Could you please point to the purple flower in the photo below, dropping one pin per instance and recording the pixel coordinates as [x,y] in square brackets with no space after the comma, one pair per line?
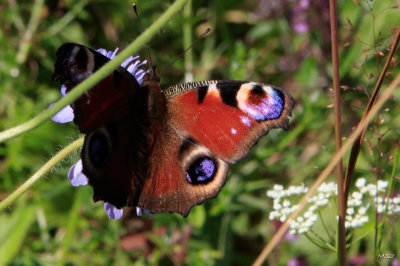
[66,114]
[299,21]
[358,259]
[75,174]
[298,261]
[288,236]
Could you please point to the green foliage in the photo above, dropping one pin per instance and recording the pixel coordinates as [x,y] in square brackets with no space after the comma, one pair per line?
[55,223]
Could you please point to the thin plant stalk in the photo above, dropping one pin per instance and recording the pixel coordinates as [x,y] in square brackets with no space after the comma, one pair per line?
[338,136]
[96,77]
[355,150]
[27,39]
[327,170]
[41,173]
[187,41]
[67,18]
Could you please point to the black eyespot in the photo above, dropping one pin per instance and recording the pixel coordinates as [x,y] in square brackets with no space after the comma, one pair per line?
[99,149]
[201,171]
[257,90]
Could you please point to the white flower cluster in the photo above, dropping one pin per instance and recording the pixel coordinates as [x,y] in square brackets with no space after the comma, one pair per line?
[357,204]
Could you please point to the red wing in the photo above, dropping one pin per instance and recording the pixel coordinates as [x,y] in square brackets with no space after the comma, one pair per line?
[228,117]
[206,127]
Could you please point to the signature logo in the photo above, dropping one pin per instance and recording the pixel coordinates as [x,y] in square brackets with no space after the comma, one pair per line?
[386,256]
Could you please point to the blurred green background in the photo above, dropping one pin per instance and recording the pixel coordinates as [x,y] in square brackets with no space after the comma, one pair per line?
[286,43]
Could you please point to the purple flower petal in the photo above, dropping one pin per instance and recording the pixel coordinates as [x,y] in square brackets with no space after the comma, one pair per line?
[129,60]
[139,76]
[133,68]
[109,54]
[300,27]
[102,51]
[291,238]
[63,90]
[139,211]
[304,4]
[65,115]
[112,211]
[75,175]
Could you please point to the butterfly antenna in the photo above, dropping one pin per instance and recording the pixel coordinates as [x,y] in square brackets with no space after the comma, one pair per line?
[190,47]
[134,6]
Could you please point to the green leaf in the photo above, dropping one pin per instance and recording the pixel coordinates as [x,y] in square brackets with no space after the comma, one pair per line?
[14,230]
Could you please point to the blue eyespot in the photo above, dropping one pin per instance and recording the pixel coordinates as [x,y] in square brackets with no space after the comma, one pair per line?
[275,107]
[201,171]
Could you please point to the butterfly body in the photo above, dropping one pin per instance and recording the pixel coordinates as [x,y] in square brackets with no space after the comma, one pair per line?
[165,151]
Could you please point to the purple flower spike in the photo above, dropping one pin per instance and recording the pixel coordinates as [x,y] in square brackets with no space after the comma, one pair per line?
[75,175]
[112,211]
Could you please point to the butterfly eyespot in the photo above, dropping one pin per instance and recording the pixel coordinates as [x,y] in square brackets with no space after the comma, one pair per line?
[257,90]
[201,171]
[99,148]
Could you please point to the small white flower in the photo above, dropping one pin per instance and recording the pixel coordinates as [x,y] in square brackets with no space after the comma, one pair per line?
[308,214]
[322,202]
[358,204]
[396,200]
[361,182]
[362,210]
[357,195]
[350,211]
[286,203]
[382,184]
[278,187]
[379,200]
[277,206]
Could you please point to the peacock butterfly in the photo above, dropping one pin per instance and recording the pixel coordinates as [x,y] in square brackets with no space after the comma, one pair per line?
[164,150]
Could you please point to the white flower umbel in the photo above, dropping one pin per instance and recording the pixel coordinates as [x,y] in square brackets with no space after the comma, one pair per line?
[358,203]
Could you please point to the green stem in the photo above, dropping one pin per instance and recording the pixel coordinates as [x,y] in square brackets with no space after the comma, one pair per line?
[41,172]
[331,238]
[26,41]
[16,16]
[67,18]
[322,244]
[342,256]
[96,77]
[72,226]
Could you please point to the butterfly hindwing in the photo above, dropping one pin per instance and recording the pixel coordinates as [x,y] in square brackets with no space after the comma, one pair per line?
[183,174]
